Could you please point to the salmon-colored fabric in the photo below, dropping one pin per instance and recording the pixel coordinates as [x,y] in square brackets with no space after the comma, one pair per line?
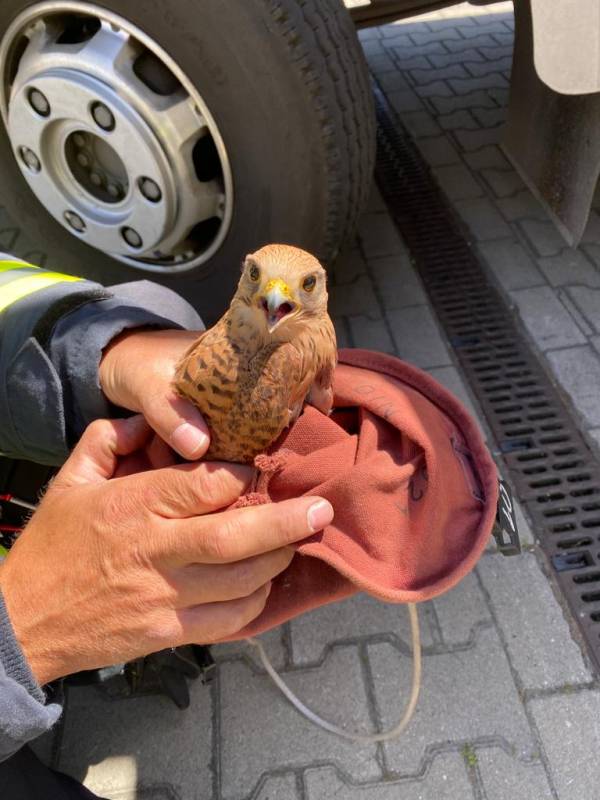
[412,484]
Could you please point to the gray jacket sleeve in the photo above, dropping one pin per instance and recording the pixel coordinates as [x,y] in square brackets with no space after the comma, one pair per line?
[51,343]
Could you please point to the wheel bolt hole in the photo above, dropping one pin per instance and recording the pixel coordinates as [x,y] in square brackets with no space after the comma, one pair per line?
[150,189]
[29,158]
[132,238]
[102,116]
[38,102]
[74,221]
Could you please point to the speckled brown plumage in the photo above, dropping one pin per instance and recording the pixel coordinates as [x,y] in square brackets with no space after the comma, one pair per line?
[251,373]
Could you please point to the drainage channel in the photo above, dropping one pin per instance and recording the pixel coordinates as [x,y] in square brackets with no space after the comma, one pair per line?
[552,469]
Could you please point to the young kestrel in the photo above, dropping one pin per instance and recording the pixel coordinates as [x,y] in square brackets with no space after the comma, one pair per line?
[272,350]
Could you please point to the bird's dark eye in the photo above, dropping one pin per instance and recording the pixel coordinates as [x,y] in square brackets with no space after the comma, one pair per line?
[254,273]
[308,284]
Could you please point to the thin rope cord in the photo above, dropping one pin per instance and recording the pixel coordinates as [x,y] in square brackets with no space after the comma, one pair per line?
[366,738]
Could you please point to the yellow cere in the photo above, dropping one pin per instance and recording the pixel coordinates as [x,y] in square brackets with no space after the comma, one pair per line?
[278,283]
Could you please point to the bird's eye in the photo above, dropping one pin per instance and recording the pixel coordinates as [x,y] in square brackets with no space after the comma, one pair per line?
[308,284]
[254,273]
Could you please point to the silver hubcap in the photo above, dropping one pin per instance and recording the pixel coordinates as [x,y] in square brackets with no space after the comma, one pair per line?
[112,137]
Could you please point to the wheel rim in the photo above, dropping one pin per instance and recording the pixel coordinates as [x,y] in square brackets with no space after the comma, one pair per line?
[113,138]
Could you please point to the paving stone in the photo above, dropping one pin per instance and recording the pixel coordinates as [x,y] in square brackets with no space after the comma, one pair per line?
[496,51]
[372,47]
[474,140]
[578,371]
[457,119]
[568,268]
[588,302]
[271,640]
[511,265]
[399,40]
[413,62]
[444,104]
[354,299]
[536,633]
[591,234]
[278,787]
[438,151]
[420,124]
[392,81]
[506,778]
[463,57]
[575,313]
[459,45]
[413,50]
[483,219]
[479,68]
[460,610]
[397,281]
[381,63]
[490,27]
[341,332]
[435,89]
[544,237]
[457,182]
[570,734]
[445,779]
[417,337]
[404,100]
[595,435]
[472,84]
[372,334]
[120,745]
[424,76]
[547,320]
[356,617]
[487,158]
[351,264]
[503,182]
[369,33]
[436,36]
[506,38]
[522,204]
[452,380]
[379,236]
[490,117]
[259,728]
[402,26]
[595,342]
[466,695]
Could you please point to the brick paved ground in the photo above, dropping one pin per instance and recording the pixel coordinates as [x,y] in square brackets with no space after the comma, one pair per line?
[509,709]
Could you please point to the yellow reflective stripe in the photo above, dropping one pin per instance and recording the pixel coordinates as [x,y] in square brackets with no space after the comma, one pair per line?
[22,287]
[5,266]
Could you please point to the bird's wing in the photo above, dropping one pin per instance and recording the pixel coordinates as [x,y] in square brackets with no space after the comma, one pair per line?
[325,357]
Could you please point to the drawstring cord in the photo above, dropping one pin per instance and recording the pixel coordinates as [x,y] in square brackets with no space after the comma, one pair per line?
[366,738]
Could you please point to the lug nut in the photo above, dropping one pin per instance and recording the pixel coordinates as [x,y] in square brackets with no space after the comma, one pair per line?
[83,159]
[79,139]
[103,116]
[29,158]
[114,190]
[75,221]
[132,237]
[96,179]
[150,189]
[38,102]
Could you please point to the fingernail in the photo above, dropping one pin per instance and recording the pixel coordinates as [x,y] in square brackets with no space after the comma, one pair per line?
[269,587]
[188,440]
[320,514]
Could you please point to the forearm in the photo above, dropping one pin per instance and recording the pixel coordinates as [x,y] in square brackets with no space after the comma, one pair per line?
[24,714]
[51,342]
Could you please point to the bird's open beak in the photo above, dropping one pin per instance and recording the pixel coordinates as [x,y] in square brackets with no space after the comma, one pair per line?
[276,302]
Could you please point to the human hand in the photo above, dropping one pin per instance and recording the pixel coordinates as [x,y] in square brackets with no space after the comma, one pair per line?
[136,371]
[110,570]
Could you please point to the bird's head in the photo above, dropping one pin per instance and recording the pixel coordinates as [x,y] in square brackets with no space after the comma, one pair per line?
[282,285]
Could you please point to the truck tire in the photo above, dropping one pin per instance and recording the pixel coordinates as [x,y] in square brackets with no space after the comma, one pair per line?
[288,90]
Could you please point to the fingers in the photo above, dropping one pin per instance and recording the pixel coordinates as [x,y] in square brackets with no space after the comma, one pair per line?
[95,458]
[213,621]
[203,583]
[188,490]
[242,533]
[178,423]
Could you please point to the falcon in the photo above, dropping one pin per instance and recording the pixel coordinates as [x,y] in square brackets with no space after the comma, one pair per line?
[273,350]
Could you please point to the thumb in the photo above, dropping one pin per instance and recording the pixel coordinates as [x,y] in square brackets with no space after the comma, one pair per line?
[178,423]
[96,456]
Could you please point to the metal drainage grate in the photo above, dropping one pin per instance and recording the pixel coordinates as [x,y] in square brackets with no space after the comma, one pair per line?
[552,469]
